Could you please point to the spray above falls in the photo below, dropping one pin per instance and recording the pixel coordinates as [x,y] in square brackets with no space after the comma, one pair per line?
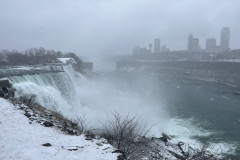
[73,95]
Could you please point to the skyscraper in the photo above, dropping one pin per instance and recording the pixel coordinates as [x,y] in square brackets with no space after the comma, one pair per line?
[211,44]
[157,46]
[190,39]
[225,37]
[193,44]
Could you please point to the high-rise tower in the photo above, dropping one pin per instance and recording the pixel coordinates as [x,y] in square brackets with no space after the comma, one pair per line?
[190,39]
[193,44]
[157,46]
[225,37]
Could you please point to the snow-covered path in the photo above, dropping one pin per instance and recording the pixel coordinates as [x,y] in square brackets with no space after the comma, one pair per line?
[23,141]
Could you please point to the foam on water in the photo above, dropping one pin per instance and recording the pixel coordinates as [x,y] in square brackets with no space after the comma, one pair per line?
[74,95]
[185,129]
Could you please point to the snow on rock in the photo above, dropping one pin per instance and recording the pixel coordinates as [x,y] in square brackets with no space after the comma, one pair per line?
[21,140]
[66,60]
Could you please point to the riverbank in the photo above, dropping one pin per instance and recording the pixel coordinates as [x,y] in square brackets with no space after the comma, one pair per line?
[22,138]
[219,71]
[146,147]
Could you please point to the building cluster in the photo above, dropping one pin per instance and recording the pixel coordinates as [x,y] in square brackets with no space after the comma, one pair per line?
[193,45]
[157,49]
[211,45]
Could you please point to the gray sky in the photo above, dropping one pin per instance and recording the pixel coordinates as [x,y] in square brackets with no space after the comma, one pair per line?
[114,26]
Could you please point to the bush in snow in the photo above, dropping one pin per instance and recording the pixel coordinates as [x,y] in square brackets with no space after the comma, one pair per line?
[127,134]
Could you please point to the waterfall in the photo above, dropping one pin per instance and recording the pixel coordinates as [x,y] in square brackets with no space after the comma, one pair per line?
[54,91]
[73,95]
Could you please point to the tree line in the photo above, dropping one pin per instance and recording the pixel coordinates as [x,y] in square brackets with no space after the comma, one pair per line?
[34,56]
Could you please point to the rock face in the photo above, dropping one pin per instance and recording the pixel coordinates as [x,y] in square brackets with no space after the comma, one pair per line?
[48,124]
[47,145]
[5,83]
[36,113]
[6,89]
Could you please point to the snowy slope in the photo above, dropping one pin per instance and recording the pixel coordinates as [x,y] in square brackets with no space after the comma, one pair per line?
[21,140]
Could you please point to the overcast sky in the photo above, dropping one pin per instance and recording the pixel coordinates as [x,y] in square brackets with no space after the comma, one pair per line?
[114,26]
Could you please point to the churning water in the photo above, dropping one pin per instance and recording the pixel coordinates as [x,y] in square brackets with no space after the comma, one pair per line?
[193,111]
[73,95]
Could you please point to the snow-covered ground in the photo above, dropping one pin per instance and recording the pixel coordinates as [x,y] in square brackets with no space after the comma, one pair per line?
[23,141]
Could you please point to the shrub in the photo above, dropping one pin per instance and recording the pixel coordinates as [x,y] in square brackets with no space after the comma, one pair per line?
[127,134]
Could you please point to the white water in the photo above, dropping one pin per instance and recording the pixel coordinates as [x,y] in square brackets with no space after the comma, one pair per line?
[73,95]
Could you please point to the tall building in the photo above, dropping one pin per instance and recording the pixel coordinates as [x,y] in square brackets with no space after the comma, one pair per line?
[190,39]
[225,37]
[211,44]
[150,47]
[193,44]
[157,46]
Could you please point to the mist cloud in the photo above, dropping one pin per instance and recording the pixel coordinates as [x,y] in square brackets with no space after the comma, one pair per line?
[92,27]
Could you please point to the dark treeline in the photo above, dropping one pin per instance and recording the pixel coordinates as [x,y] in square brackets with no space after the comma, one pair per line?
[34,56]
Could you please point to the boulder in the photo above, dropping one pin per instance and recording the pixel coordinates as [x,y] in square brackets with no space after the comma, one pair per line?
[90,135]
[11,92]
[121,156]
[2,94]
[5,83]
[27,114]
[70,132]
[6,90]
[99,144]
[47,145]
[48,124]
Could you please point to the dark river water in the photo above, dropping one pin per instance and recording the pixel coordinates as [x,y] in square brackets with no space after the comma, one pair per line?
[211,106]
[203,111]
[214,107]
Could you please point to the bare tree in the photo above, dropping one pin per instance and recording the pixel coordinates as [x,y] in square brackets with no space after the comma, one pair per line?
[81,123]
[127,134]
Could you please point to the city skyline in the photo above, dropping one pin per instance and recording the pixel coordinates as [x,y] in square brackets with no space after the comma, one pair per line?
[193,45]
[114,27]
[211,43]
[222,43]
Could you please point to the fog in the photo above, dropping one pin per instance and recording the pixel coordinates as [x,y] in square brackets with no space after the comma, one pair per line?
[77,96]
[144,58]
[114,27]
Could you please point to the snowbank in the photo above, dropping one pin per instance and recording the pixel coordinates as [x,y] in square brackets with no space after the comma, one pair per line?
[21,140]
